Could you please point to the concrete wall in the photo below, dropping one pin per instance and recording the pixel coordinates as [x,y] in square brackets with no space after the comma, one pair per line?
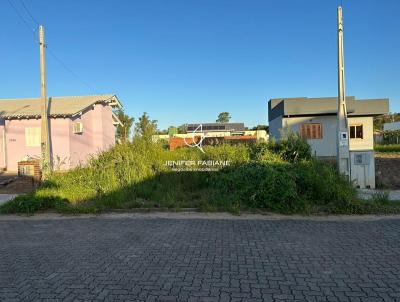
[274,127]
[326,147]
[363,175]
[320,147]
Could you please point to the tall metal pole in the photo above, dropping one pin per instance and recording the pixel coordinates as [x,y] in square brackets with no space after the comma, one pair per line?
[343,155]
[45,144]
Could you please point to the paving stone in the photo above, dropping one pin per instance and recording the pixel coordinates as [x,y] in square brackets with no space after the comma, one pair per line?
[155,259]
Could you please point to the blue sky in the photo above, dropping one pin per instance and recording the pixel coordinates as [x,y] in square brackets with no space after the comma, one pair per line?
[186,61]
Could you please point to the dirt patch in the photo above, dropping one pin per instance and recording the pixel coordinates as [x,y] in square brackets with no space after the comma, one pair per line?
[387,154]
[19,186]
[387,169]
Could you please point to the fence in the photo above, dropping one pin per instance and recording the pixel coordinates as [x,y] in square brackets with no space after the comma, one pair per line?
[391,137]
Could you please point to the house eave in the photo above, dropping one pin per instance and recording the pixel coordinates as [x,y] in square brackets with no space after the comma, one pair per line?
[36,116]
[116,120]
[115,103]
[350,115]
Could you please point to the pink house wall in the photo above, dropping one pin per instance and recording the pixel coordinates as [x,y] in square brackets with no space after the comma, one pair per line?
[98,134]
[17,149]
[60,143]
[68,149]
[97,116]
[2,145]
[81,145]
[108,128]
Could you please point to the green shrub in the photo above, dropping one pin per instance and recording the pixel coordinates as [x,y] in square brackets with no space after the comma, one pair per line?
[381,198]
[264,152]
[292,147]
[365,207]
[30,204]
[321,183]
[387,148]
[226,152]
[282,187]
[257,185]
[134,174]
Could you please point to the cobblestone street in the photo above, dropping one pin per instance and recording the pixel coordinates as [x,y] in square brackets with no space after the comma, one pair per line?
[157,259]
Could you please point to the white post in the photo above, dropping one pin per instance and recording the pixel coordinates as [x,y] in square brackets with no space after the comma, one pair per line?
[343,156]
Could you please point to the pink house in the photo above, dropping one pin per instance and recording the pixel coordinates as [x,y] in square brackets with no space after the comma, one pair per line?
[79,126]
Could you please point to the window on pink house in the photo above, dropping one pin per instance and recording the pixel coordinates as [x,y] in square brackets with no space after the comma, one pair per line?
[32,137]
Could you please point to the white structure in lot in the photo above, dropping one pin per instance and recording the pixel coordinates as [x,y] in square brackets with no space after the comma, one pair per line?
[260,134]
[391,126]
[315,120]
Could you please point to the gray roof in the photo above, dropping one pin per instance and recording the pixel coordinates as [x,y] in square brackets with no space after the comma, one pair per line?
[62,106]
[391,126]
[217,126]
[304,106]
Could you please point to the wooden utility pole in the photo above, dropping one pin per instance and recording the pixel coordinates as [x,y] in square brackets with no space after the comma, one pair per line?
[45,144]
[343,154]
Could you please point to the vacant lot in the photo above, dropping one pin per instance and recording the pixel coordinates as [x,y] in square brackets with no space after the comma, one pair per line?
[156,259]
[388,170]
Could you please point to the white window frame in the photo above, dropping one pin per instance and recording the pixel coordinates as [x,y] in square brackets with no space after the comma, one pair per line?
[355,131]
[77,127]
[32,136]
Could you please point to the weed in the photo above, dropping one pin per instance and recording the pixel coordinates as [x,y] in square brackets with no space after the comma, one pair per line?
[380,197]
[281,178]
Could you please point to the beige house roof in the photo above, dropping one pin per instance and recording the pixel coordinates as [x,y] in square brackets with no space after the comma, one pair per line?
[62,106]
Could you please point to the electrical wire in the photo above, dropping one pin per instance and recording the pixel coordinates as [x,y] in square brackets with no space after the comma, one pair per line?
[34,30]
[20,16]
[29,13]
[69,70]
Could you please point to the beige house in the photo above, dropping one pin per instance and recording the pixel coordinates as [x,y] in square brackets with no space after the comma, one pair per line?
[315,120]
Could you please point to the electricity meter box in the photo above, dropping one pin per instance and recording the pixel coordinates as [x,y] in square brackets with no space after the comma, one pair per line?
[363,169]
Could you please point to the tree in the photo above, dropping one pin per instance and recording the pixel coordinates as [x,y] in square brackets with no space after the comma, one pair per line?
[172,130]
[386,118]
[261,127]
[145,127]
[182,129]
[124,130]
[223,117]
[162,132]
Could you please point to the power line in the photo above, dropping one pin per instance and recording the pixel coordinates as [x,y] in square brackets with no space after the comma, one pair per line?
[34,29]
[29,13]
[20,16]
[69,69]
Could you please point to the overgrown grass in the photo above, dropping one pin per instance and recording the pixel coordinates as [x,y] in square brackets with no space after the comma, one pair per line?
[282,179]
[387,148]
